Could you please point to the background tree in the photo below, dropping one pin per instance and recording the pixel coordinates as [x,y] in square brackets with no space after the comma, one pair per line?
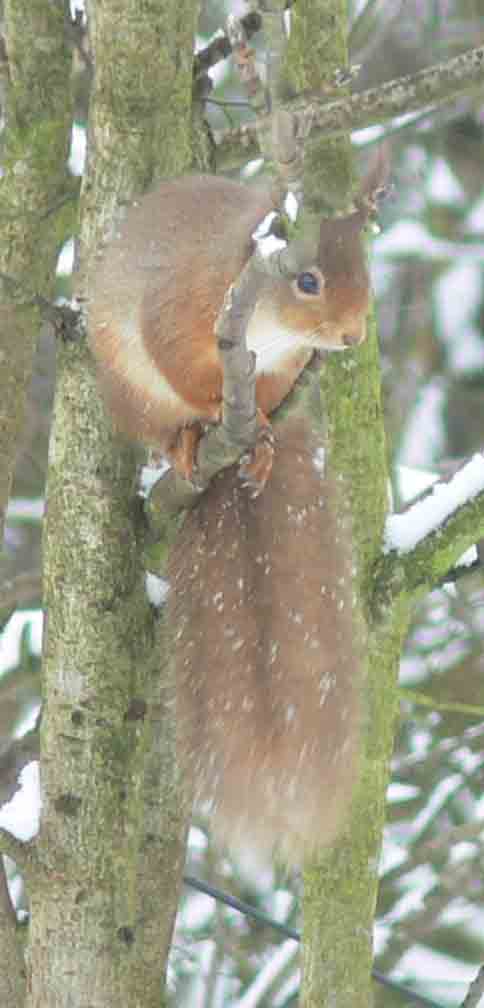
[107,847]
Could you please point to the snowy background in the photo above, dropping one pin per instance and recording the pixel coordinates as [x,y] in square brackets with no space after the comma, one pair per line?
[428,270]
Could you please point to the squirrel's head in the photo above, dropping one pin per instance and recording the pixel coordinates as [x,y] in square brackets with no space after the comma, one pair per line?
[325,297]
[329,297]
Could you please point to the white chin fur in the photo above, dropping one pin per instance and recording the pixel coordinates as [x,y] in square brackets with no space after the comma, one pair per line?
[272,343]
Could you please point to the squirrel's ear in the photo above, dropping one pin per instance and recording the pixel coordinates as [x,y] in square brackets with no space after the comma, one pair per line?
[341,257]
[374,186]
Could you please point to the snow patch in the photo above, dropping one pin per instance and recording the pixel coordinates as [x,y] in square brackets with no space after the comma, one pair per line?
[404,531]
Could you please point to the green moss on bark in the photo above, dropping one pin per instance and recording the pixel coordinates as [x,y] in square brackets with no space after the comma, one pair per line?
[340,889]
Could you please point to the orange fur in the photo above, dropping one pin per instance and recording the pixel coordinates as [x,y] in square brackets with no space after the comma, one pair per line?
[156,293]
[267,659]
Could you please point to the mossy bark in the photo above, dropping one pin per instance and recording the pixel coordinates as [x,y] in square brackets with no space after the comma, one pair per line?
[112,830]
[111,843]
[340,888]
[35,209]
[34,218]
[140,123]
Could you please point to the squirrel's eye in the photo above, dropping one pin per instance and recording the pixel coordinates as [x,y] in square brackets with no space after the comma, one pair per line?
[308,283]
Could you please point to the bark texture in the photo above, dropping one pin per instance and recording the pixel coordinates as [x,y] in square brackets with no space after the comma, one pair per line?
[111,846]
[340,885]
[34,198]
[33,215]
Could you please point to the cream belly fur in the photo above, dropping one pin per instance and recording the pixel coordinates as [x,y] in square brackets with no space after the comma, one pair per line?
[265,646]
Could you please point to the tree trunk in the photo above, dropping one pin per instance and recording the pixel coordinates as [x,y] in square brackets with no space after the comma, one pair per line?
[110,852]
[340,888]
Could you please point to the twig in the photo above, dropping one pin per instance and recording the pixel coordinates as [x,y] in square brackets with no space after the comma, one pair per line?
[432,86]
[223,444]
[21,752]
[20,589]
[244,60]
[276,40]
[280,142]
[7,911]
[24,853]
[65,318]
[475,992]
[220,47]
[424,565]
[12,979]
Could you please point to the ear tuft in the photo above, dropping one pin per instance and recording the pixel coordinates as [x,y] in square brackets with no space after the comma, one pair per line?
[374,186]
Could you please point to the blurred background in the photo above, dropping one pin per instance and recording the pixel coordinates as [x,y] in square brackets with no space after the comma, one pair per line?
[428,269]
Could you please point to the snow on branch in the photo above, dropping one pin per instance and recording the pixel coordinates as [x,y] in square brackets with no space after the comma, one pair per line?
[425,541]
[405,531]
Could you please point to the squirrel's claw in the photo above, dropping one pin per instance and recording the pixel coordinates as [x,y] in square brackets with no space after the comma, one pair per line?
[256,465]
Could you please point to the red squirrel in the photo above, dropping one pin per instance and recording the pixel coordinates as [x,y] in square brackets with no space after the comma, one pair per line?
[261,589]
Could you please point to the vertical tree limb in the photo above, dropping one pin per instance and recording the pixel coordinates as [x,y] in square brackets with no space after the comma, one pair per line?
[340,890]
[113,821]
[36,106]
[35,69]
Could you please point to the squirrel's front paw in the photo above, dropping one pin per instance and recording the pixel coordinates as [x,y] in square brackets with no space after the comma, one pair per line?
[256,465]
[182,453]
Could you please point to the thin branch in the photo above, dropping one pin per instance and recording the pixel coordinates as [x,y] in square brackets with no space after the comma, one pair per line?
[220,47]
[279,145]
[430,537]
[23,853]
[63,317]
[21,752]
[7,912]
[441,82]
[475,992]
[244,62]
[12,974]
[20,589]
[442,845]
[224,443]
[419,699]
